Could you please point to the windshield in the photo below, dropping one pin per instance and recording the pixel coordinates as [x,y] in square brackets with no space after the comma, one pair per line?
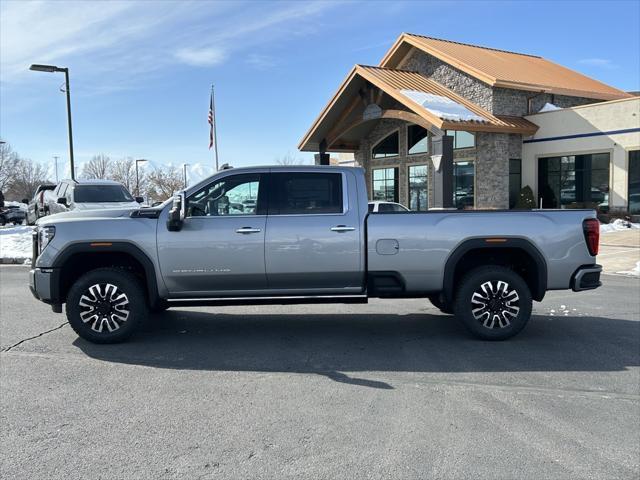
[101,193]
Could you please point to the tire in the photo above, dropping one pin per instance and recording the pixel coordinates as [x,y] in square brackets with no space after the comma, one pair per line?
[436,301]
[159,307]
[101,291]
[493,302]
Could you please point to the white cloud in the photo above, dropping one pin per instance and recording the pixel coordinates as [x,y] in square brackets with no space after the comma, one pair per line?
[110,45]
[201,57]
[598,62]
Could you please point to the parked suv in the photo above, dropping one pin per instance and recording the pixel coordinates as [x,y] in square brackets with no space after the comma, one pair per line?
[90,195]
[37,204]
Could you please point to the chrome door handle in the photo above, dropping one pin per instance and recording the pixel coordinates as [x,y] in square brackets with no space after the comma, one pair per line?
[248,230]
[342,228]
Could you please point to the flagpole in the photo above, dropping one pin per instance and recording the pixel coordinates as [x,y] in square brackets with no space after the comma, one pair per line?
[215,124]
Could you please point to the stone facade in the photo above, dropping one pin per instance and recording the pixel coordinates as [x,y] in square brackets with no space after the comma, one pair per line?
[464,85]
[492,170]
[492,151]
[507,101]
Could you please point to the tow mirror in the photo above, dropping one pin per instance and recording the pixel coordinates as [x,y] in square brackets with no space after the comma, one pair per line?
[176,213]
[62,201]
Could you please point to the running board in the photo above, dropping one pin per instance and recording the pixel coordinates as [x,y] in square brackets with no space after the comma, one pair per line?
[221,302]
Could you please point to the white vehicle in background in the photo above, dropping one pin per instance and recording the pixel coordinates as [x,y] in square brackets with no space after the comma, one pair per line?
[90,195]
[386,207]
[36,206]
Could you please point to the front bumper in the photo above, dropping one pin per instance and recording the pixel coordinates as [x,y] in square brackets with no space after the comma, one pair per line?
[586,278]
[40,282]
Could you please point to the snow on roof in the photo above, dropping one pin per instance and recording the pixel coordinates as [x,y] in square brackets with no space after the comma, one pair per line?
[549,107]
[442,107]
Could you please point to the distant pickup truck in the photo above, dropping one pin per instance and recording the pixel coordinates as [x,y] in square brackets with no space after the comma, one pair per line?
[308,239]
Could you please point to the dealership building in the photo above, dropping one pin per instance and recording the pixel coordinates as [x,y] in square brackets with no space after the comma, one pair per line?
[445,124]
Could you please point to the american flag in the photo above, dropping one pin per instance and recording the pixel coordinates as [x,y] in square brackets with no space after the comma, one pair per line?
[210,120]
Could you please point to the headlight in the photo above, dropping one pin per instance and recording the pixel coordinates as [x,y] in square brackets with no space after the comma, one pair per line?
[45,235]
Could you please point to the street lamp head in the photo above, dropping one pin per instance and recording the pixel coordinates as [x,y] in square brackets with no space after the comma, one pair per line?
[46,68]
[141,160]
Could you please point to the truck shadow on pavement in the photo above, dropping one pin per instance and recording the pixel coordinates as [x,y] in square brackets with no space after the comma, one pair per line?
[328,344]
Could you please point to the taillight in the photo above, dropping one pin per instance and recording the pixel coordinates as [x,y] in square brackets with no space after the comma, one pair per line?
[591,228]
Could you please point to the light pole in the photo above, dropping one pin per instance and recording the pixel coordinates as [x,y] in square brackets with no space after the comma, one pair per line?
[55,158]
[137,177]
[184,173]
[52,69]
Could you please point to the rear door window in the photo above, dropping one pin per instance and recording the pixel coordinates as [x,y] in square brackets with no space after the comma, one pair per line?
[306,193]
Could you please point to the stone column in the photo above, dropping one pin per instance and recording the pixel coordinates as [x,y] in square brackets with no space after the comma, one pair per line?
[492,170]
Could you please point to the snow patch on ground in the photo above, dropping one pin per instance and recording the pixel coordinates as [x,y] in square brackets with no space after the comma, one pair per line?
[617,225]
[635,272]
[15,243]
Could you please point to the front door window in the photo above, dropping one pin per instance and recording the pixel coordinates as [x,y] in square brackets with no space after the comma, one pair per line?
[233,195]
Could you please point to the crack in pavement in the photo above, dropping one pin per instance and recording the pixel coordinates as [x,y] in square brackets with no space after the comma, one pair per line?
[34,337]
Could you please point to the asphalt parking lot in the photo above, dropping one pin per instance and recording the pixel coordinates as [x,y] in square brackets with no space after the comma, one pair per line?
[392,389]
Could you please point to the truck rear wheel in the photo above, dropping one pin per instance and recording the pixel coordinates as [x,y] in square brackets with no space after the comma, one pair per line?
[493,302]
[106,305]
[438,302]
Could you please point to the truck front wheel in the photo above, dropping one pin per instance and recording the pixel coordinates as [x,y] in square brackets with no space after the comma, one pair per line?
[106,305]
[493,302]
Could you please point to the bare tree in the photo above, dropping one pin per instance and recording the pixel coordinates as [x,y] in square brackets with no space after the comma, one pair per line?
[289,159]
[164,181]
[8,165]
[28,176]
[124,171]
[97,167]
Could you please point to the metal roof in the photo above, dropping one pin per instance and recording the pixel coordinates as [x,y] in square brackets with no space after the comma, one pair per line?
[502,68]
[395,83]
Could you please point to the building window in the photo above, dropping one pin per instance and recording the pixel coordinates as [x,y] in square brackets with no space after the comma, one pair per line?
[385,184]
[463,185]
[417,140]
[634,181]
[574,181]
[418,192]
[515,180]
[387,147]
[462,139]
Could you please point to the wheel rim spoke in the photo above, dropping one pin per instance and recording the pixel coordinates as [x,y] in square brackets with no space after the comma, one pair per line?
[495,304]
[104,307]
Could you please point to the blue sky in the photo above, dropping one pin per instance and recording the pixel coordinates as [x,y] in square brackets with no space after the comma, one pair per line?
[141,71]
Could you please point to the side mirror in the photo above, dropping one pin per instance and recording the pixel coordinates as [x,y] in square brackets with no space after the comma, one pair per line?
[139,199]
[177,213]
[62,201]
[25,200]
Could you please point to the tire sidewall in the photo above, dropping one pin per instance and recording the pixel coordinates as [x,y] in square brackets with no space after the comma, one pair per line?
[472,281]
[126,282]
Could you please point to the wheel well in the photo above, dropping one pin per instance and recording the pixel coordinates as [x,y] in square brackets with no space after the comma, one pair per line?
[80,263]
[517,259]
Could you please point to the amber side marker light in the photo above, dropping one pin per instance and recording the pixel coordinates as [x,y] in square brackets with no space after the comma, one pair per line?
[101,244]
[495,240]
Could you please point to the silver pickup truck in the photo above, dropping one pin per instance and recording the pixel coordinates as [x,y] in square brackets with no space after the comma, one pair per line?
[304,235]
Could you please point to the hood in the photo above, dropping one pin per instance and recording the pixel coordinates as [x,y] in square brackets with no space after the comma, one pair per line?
[79,214]
[105,206]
